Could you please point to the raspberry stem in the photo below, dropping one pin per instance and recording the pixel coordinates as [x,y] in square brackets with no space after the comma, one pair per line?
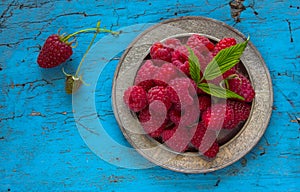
[97,30]
[66,38]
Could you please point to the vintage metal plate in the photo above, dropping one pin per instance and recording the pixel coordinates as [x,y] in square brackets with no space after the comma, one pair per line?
[190,162]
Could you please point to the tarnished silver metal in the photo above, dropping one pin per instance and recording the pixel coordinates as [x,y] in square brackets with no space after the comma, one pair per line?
[239,144]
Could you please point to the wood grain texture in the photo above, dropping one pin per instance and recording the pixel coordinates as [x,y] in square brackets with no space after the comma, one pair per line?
[41,149]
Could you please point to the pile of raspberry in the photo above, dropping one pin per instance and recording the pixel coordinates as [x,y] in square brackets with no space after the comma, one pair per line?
[170,106]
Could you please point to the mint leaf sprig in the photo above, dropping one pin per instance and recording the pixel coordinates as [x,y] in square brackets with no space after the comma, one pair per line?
[222,62]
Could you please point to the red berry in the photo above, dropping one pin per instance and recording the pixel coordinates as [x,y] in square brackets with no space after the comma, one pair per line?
[174,115]
[176,138]
[181,88]
[152,124]
[161,52]
[242,86]
[172,43]
[222,44]
[54,52]
[159,100]
[218,116]
[197,41]
[135,98]
[165,73]
[190,115]
[146,72]
[241,110]
[204,140]
[204,102]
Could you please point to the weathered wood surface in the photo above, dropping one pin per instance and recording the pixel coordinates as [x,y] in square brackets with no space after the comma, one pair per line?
[40,147]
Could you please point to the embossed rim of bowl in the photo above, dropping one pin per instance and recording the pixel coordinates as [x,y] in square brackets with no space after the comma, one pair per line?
[232,151]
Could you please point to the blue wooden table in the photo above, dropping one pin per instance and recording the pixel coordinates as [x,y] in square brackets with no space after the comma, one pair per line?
[41,148]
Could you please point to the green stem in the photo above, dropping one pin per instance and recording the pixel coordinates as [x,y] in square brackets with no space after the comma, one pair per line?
[97,29]
[89,30]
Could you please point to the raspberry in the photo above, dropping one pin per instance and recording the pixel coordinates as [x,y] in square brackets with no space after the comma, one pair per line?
[135,98]
[165,73]
[204,102]
[218,116]
[241,110]
[222,44]
[181,54]
[176,138]
[174,115]
[152,124]
[197,41]
[190,116]
[172,43]
[146,72]
[54,52]
[205,141]
[161,52]
[181,88]
[159,100]
[242,86]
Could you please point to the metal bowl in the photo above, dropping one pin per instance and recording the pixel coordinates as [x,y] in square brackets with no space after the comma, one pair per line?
[234,144]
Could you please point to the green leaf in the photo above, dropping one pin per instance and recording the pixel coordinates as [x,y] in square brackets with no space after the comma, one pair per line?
[194,66]
[224,60]
[217,91]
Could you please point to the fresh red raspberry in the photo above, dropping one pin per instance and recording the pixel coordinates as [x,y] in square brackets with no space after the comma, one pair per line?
[165,73]
[135,97]
[197,41]
[222,44]
[54,52]
[176,138]
[218,116]
[172,43]
[146,72]
[204,140]
[241,110]
[190,116]
[159,100]
[174,115]
[242,86]
[204,102]
[181,88]
[161,52]
[153,124]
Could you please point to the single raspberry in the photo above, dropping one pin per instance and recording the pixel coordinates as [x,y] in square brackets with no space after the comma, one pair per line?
[181,88]
[241,110]
[242,86]
[135,97]
[222,44]
[180,54]
[146,72]
[54,52]
[151,123]
[172,43]
[197,41]
[165,73]
[204,102]
[212,151]
[161,52]
[176,138]
[218,116]
[204,140]
[190,115]
[174,115]
[159,99]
